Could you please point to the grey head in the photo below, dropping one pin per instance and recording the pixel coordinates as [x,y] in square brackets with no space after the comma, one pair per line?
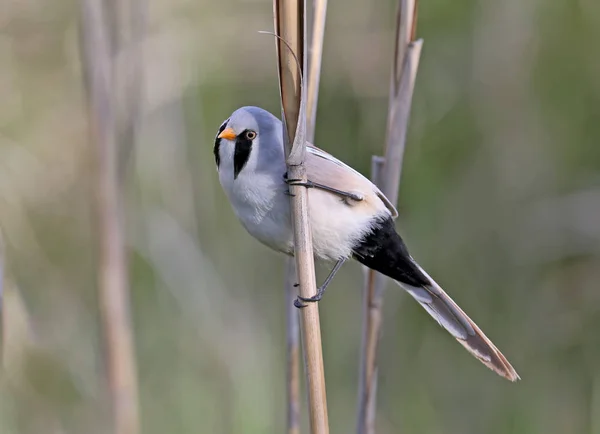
[249,139]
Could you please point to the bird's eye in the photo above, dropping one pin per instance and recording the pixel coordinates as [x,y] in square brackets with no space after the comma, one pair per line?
[250,135]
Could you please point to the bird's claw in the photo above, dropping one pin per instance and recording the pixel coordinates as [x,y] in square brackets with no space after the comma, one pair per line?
[292,181]
[312,299]
[310,184]
[317,297]
[299,305]
[299,182]
[289,182]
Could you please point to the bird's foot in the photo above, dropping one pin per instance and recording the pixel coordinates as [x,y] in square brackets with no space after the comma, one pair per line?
[310,184]
[317,297]
[292,181]
[321,289]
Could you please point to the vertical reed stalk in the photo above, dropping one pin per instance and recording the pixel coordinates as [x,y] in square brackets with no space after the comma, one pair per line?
[315,54]
[293,343]
[293,350]
[290,25]
[386,174]
[2,304]
[102,78]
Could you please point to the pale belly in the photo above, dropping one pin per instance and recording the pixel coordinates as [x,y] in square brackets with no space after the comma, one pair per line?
[264,211]
[335,227]
[273,228]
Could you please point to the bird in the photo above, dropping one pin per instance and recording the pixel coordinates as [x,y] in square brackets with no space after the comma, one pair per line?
[350,218]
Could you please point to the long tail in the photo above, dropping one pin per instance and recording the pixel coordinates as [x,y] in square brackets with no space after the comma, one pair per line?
[450,316]
[384,250]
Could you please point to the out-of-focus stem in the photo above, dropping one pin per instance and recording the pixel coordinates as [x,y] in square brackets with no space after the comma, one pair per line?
[386,174]
[100,71]
[2,304]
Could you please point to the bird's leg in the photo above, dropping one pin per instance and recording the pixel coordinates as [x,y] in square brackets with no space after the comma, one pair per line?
[310,184]
[320,289]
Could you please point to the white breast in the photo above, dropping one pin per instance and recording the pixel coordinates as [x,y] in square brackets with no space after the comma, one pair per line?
[260,204]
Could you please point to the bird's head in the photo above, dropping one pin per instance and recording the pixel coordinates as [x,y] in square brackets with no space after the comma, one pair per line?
[248,131]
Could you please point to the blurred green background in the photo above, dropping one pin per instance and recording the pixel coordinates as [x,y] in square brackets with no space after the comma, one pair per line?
[499,201]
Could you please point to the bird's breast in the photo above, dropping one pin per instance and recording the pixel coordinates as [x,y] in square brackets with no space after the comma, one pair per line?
[262,207]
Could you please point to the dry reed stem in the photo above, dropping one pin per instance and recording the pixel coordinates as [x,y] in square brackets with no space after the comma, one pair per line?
[290,25]
[113,276]
[386,174]
[315,54]
[293,350]
[2,304]
[293,343]
[128,23]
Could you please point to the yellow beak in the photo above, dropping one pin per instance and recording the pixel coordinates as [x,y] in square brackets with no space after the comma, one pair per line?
[227,133]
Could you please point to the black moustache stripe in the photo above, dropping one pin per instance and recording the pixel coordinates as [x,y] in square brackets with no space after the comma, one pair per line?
[241,154]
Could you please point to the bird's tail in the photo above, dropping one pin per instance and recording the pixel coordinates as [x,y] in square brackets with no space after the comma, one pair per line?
[450,316]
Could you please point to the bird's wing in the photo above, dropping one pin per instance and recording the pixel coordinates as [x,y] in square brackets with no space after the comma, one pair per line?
[325,169]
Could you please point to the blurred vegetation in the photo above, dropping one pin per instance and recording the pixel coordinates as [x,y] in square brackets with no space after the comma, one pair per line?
[500,202]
